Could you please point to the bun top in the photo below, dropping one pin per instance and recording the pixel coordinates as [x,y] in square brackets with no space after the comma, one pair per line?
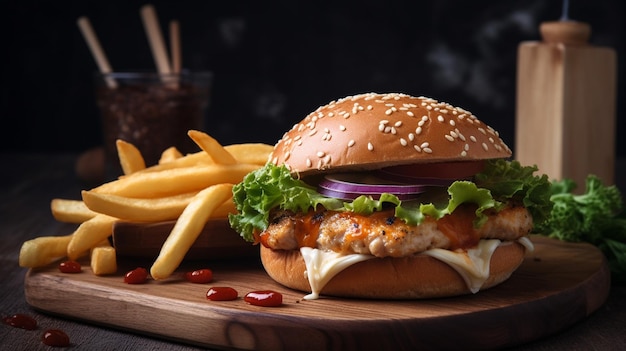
[371,131]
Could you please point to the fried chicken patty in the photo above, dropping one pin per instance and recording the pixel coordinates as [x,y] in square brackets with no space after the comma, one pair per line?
[382,234]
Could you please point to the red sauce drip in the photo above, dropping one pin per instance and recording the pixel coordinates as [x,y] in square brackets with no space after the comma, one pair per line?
[55,337]
[459,227]
[70,267]
[138,275]
[199,276]
[265,298]
[307,228]
[19,320]
[221,293]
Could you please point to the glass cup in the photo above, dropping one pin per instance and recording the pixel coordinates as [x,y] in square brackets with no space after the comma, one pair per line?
[152,111]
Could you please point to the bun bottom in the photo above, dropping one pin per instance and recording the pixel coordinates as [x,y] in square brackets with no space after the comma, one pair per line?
[413,277]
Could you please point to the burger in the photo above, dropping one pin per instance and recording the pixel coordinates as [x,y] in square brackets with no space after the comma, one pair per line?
[390,196]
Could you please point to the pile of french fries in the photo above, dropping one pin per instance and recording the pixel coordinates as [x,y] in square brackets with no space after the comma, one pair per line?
[190,189]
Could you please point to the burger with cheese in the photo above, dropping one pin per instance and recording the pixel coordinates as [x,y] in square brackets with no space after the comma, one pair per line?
[390,196]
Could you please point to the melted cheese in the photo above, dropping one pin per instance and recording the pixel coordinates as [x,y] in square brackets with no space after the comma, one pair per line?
[472,265]
[322,266]
[525,241]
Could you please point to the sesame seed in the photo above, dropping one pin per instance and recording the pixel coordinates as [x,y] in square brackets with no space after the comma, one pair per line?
[389,112]
[411,114]
[398,124]
[411,136]
[421,123]
[440,118]
[472,138]
[308,163]
[370,147]
[418,130]
[482,130]
[417,148]
[313,132]
[351,143]
[346,115]
[453,134]
[342,128]
[424,145]
[381,127]
[466,147]
[463,153]
[485,147]
[287,155]
[427,150]
[388,129]
[449,137]
[403,142]
[452,123]
[320,154]
[369,107]
[424,118]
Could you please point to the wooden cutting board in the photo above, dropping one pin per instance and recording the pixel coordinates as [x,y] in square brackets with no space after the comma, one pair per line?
[558,285]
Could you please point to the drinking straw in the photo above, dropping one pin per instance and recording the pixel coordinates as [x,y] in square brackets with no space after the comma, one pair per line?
[155,38]
[175,46]
[96,49]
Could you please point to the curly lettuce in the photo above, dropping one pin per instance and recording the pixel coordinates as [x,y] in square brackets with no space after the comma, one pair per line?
[595,216]
[274,187]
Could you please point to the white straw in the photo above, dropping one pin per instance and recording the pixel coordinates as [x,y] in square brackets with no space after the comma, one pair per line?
[175,46]
[155,38]
[96,49]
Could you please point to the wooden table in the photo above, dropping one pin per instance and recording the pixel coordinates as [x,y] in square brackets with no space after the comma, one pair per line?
[28,183]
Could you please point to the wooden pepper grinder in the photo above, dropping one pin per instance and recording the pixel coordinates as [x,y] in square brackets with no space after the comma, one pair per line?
[566,102]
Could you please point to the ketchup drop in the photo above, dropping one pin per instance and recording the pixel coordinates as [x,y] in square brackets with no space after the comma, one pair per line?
[55,337]
[265,298]
[138,275]
[70,267]
[199,276]
[221,293]
[19,320]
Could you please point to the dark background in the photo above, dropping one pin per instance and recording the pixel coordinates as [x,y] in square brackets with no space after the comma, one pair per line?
[275,62]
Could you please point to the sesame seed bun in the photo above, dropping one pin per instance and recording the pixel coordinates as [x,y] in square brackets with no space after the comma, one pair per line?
[371,131]
[392,278]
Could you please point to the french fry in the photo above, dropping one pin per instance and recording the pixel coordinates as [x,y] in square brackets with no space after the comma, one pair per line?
[224,209]
[170,154]
[255,153]
[140,210]
[187,228]
[130,157]
[89,234]
[41,251]
[103,259]
[215,150]
[70,211]
[175,181]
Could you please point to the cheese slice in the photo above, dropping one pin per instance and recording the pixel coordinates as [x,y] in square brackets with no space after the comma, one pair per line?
[322,266]
[472,265]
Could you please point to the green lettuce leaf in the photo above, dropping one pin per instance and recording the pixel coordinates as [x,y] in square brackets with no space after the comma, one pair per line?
[273,187]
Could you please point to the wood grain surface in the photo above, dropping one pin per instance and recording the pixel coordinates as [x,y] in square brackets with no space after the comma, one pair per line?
[558,285]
